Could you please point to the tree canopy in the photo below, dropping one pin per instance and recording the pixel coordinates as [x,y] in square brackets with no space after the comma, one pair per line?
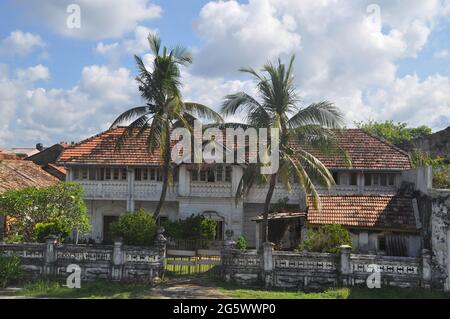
[29,206]
[395,133]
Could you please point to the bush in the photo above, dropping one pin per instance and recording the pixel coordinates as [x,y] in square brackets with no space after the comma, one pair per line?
[63,202]
[55,228]
[193,228]
[241,243]
[135,228]
[326,239]
[10,270]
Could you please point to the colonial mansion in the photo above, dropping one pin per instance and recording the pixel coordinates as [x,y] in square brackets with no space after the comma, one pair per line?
[370,198]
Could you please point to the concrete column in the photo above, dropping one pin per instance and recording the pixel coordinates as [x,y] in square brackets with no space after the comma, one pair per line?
[130,190]
[236,175]
[345,266]
[267,264]
[360,182]
[118,259]
[160,244]
[50,255]
[258,235]
[426,268]
[226,256]
[184,181]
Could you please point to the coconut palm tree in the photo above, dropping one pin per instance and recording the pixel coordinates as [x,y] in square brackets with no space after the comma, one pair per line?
[164,108]
[278,107]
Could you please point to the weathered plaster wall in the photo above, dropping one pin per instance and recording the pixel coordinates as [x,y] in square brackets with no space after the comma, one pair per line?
[440,238]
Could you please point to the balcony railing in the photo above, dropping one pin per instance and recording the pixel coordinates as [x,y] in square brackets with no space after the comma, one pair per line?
[203,189]
[119,190]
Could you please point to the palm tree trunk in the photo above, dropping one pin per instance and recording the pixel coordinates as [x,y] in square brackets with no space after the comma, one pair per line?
[273,182]
[165,176]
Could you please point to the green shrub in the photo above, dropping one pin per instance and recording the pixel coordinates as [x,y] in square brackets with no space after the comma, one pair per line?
[135,228]
[55,228]
[63,202]
[326,239]
[193,228]
[241,243]
[10,270]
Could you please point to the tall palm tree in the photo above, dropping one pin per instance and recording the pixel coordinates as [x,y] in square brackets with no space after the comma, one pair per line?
[278,107]
[164,108]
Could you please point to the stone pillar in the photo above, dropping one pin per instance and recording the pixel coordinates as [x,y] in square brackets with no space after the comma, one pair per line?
[226,255]
[130,189]
[345,266]
[258,235]
[426,269]
[50,255]
[267,264]
[160,244]
[118,259]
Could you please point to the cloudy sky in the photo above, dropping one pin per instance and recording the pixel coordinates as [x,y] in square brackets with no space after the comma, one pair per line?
[376,60]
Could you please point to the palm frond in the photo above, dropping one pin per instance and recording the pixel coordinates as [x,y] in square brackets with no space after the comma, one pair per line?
[202,111]
[154,42]
[324,114]
[130,114]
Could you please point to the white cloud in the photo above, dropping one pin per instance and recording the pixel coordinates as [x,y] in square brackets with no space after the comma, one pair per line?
[100,19]
[34,73]
[20,43]
[442,54]
[414,101]
[344,52]
[30,115]
[137,44]
[243,34]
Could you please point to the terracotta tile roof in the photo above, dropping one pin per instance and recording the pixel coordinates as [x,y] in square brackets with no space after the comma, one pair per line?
[362,211]
[366,151]
[100,149]
[15,174]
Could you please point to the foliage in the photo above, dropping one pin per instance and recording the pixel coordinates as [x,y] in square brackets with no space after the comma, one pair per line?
[135,228]
[10,270]
[277,106]
[52,227]
[160,88]
[440,165]
[327,239]
[395,133]
[241,243]
[27,207]
[193,227]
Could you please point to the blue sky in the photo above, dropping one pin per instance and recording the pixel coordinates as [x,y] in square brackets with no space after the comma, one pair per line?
[64,85]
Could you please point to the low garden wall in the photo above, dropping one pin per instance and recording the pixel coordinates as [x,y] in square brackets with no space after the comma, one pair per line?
[318,271]
[111,262]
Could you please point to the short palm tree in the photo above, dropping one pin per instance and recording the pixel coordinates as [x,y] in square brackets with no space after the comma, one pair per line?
[160,87]
[278,108]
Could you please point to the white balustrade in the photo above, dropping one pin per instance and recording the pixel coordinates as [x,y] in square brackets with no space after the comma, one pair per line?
[202,189]
[105,189]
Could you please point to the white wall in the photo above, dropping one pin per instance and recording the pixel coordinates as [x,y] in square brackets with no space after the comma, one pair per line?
[99,208]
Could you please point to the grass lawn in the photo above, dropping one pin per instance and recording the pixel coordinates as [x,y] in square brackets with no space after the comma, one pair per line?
[95,290]
[117,290]
[336,293]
